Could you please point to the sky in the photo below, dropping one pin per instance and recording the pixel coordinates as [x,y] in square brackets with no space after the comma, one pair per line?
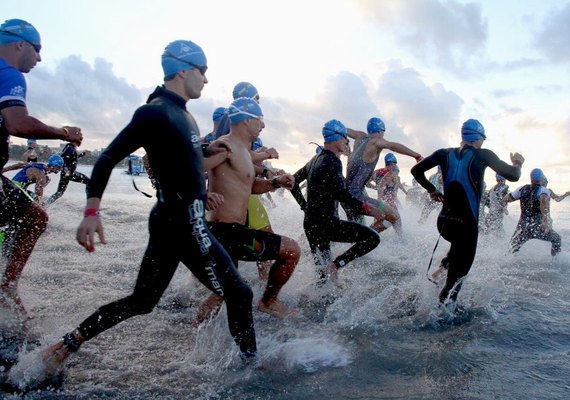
[423,66]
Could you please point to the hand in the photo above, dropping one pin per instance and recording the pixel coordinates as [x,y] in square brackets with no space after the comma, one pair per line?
[86,232]
[73,134]
[286,181]
[214,201]
[517,158]
[418,158]
[436,196]
[272,153]
[219,145]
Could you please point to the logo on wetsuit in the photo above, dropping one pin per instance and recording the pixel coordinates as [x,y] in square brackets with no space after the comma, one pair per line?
[196,211]
[199,225]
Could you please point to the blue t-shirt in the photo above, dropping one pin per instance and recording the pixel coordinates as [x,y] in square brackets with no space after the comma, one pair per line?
[12,93]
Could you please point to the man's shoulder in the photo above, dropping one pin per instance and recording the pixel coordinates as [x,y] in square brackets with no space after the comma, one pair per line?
[12,84]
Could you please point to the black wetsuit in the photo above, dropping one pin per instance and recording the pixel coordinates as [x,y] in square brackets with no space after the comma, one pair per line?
[325,188]
[177,225]
[530,222]
[69,173]
[463,178]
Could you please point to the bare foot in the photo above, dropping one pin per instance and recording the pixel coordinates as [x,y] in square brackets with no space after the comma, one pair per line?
[436,276]
[208,309]
[54,357]
[331,272]
[277,309]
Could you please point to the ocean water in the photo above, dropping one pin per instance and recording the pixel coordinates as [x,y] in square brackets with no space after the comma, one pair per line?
[382,337]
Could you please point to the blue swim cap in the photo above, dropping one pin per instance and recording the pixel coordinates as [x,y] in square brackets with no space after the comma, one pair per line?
[472,130]
[55,161]
[536,175]
[334,130]
[244,108]
[31,141]
[18,30]
[218,113]
[375,125]
[390,158]
[182,55]
[256,144]
[244,89]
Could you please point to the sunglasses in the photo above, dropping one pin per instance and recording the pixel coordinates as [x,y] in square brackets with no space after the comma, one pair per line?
[202,69]
[37,47]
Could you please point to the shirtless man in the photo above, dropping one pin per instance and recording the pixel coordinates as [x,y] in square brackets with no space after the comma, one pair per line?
[361,165]
[235,179]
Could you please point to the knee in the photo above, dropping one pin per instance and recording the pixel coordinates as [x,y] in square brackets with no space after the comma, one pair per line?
[290,250]
[37,218]
[374,240]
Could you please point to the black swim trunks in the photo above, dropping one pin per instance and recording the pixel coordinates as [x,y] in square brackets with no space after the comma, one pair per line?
[243,243]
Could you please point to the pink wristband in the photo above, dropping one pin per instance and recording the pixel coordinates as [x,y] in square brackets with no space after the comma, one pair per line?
[91,212]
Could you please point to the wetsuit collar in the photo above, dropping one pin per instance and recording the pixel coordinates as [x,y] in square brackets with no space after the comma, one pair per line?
[161,91]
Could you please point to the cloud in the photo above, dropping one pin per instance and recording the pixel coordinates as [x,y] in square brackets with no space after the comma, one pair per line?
[79,94]
[449,34]
[423,117]
[418,115]
[553,37]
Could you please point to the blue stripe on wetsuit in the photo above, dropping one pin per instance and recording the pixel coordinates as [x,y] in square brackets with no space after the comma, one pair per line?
[458,171]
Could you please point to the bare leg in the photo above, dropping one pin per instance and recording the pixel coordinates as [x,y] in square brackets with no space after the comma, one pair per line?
[55,356]
[263,269]
[29,230]
[280,272]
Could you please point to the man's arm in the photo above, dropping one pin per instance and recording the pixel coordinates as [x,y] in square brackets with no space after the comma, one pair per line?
[40,180]
[399,148]
[19,123]
[18,165]
[299,176]
[260,185]
[353,134]
[557,198]
[263,154]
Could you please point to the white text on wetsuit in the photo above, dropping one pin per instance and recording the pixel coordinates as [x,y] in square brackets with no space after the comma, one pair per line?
[196,211]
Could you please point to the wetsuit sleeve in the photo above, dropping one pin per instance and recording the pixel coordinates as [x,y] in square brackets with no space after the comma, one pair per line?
[510,172]
[338,188]
[131,138]
[300,176]
[418,170]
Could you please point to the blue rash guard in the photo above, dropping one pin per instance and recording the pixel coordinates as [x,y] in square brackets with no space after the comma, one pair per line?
[463,172]
[13,201]
[177,225]
[22,179]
